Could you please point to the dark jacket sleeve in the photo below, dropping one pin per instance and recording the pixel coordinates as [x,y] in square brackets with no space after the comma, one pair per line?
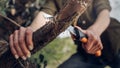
[99,5]
[52,6]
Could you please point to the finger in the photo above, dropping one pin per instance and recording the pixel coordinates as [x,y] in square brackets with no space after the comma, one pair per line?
[29,39]
[89,45]
[23,44]
[80,29]
[92,39]
[95,48]
[98,52]
[16,45]
[98,45]
[12,47]
[101,45]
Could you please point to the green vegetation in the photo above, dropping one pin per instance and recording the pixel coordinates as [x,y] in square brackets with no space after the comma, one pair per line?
[56,52]
[2,6]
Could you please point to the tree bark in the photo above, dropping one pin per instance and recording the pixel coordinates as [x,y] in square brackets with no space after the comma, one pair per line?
[67,15]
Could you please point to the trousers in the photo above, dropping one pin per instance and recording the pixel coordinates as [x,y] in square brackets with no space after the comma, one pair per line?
[79,61]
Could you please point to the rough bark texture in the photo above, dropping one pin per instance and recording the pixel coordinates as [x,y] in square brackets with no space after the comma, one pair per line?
[67,15]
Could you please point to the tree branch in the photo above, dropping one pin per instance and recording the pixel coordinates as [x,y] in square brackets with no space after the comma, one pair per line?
[67,15]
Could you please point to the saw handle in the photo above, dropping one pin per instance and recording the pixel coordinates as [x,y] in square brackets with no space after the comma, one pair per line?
[83,38]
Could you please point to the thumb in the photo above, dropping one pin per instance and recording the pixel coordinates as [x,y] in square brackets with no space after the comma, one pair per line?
[80,29]
[82,35]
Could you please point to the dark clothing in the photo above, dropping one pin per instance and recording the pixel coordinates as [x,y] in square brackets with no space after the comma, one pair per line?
[109,57]
[110,37]
[79,61]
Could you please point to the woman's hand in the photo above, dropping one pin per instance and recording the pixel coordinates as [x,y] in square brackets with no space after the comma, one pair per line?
[94,43]
[21,42]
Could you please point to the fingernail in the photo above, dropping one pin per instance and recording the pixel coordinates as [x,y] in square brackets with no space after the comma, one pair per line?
[30,47]
[16,56]
[29,55]
[24,58]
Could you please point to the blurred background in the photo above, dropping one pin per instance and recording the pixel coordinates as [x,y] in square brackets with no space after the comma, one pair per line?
[58,50]
[115,9]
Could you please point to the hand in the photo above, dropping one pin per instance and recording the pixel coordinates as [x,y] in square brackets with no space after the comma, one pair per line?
[94,43]
[21,43]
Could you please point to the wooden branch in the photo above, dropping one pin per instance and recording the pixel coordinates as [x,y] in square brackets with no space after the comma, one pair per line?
[67,15]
